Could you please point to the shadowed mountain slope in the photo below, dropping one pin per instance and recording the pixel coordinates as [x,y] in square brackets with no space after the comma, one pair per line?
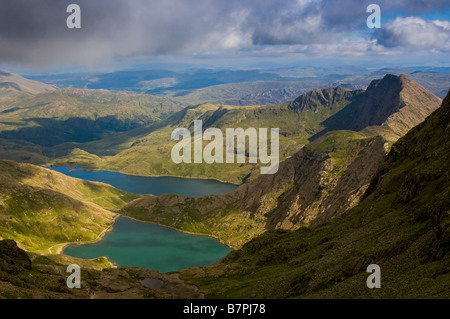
[396,102]
[401,224]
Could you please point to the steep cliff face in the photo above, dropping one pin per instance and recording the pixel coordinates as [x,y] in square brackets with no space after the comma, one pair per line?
[320,181]
[395,102]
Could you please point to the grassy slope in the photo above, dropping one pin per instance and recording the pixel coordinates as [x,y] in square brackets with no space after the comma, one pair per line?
[40,208]
[402,225]
[47,118]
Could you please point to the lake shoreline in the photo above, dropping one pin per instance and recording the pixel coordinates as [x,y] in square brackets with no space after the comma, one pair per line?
[103,233]
[90,169]
[111,228]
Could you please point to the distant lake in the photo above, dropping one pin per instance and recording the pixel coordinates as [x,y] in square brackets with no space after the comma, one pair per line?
[148,246]
[151,185]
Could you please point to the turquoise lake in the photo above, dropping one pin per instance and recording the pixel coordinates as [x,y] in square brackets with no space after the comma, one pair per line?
[148,246]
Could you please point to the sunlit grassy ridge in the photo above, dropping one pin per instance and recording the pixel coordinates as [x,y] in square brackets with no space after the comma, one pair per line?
[40,208]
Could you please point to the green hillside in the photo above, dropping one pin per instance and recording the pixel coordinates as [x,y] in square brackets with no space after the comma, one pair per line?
[44,116]
[41,209]
[148,153]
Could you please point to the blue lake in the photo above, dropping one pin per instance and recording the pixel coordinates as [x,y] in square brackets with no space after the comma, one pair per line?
[148,246]
[152,185]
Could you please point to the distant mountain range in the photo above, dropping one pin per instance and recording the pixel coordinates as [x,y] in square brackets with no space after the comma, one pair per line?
[300,121]
[262,85]
[35,117]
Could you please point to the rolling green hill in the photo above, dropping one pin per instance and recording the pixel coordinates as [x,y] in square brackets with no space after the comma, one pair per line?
[46,116]
[42,209]
[12,85]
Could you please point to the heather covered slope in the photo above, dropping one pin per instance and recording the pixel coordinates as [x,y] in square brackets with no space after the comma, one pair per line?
[402,224]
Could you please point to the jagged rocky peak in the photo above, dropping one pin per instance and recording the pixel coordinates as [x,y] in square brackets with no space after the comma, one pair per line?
[399,95]
[396,102]
[317,99]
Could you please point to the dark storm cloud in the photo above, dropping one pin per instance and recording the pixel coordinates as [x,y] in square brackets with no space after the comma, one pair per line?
[35,32]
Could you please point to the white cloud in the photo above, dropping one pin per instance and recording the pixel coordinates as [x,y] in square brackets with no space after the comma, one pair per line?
[416,33]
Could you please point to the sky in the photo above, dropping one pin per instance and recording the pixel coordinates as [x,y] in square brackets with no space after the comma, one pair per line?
[118,34]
